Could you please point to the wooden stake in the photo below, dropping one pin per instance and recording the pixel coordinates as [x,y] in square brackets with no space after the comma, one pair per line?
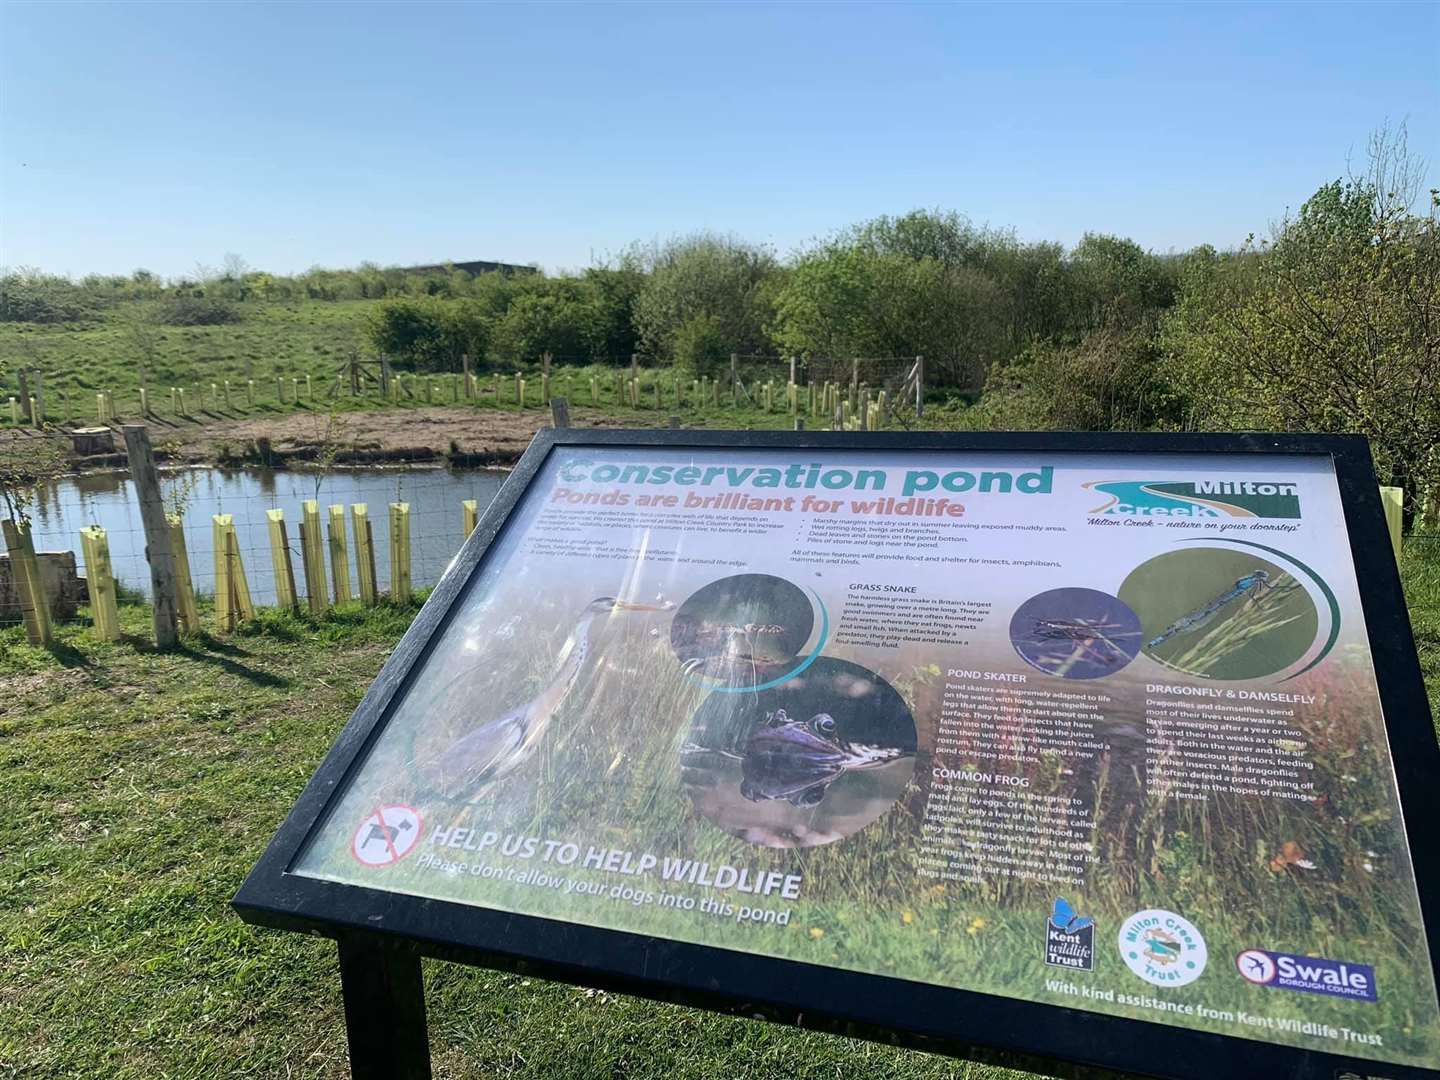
[34,607]
[159,551]
[285,595]
[189,614]
[469,516]
[100,583]
[364,553]
[312,553]
[1393,500]
[400,551]
[339,556]
[560,412]
[232,590]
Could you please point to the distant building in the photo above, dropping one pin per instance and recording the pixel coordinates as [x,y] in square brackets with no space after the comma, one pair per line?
[474,269]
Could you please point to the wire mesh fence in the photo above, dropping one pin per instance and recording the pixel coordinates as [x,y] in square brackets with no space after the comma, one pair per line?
[78,541]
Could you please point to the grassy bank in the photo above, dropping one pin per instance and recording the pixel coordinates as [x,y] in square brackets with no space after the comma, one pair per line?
[143,786]
[290,341]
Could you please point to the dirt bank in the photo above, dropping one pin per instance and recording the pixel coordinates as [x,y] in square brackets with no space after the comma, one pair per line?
[470,436]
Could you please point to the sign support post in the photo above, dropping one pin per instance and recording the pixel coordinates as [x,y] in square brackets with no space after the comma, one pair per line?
[384,1011]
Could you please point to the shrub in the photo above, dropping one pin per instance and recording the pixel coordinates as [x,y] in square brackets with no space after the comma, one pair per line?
[199,311]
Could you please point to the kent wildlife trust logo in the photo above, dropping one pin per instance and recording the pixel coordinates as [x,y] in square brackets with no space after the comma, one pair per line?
[1069,938]
[1210,498]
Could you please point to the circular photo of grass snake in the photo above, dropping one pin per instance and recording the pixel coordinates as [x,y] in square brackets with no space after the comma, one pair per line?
[742,631]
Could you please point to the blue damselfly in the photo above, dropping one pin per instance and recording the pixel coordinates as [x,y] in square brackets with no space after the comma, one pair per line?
[1251,585]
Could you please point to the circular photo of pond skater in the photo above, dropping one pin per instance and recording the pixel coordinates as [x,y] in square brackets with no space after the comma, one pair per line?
[1221,613]
[808,762]
[742,631]
[1075,633]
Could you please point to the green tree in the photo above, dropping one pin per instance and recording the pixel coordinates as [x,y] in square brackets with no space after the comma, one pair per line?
[1333,326]
[719,279]
[920,285]
[428,333]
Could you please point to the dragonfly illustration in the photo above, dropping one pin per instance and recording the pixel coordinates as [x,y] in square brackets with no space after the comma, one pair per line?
[1251,587]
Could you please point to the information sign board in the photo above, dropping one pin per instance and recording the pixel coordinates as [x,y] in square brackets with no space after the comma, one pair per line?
[1039,748]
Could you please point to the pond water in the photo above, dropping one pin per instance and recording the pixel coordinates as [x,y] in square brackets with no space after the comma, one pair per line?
[108,500]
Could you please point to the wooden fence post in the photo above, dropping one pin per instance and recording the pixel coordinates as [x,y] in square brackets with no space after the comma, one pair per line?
[1393,500]
[188,613]
[100,583]
[280,559]
[312,554]
[560,412]
[364,552]
[469,516]
[158,548]
[400,551]
[232,590]
[25,398]
[34,606]
[339,556]
[919,386]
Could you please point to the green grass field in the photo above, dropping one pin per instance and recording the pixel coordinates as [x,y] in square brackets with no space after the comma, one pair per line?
[290,341]
[143,786]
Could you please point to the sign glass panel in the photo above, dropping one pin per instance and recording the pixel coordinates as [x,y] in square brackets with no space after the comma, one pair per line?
[1094,730]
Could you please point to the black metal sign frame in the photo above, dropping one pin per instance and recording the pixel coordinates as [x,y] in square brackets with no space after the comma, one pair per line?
[382,935]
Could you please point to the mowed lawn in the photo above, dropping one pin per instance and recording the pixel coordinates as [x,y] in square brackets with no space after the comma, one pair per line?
[140,788]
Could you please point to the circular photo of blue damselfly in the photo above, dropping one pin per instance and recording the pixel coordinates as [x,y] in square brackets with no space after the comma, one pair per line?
[1220,613]
[1076,633]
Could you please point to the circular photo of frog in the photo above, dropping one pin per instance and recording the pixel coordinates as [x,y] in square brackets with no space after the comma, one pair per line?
[1221,613]
[1075,633]
[742,631]
[808,762]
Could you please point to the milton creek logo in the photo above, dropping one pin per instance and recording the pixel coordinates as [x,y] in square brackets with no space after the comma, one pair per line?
[1215,498]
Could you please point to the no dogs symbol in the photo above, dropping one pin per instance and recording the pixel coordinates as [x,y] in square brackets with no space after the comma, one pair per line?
[386,836]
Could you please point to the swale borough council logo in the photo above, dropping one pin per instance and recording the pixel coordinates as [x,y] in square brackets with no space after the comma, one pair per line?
[1163,948]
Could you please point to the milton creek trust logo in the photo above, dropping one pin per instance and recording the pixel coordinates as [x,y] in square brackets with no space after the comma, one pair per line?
[1163,948]
[1213,498]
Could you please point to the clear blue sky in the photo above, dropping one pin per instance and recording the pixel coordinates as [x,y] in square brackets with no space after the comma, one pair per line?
[162,135]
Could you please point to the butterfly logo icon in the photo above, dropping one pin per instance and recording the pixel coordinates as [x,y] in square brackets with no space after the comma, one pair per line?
[1064,918]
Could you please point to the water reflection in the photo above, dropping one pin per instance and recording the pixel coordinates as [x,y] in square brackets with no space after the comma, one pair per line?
[107,499]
